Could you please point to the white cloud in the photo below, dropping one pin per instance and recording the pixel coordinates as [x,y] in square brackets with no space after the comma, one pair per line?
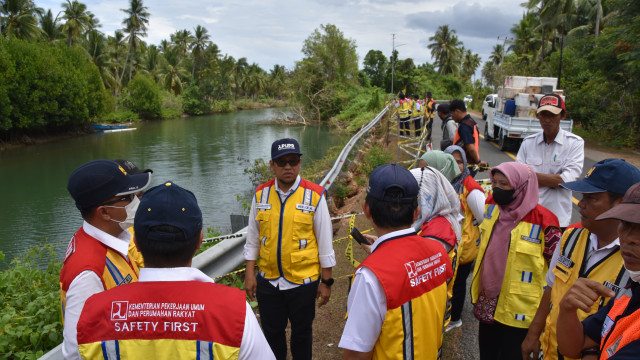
[273,32]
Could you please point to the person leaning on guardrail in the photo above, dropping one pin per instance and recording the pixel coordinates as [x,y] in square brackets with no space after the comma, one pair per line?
[96,257]
[399,293]
[174,311]
[290,231]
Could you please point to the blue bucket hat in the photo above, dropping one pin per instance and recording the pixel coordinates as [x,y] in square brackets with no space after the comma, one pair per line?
[615,175]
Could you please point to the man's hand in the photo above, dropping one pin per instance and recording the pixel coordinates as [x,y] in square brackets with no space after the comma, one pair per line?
[530,348]
[250,282]
[250,286]
[324,292]
[483,164]
[371,239]
[583,294]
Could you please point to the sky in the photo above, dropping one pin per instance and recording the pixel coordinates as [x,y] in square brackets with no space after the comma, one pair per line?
[270,32]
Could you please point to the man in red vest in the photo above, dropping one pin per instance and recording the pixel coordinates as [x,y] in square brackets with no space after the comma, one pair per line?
[467,136]
[97,256]
[398,299]
[614,331]
[174,311]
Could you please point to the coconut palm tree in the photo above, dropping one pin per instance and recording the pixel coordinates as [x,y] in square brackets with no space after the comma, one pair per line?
[172,70]
[470,63]
[445,50]
[239,71]
[496,54]
[97,47]
[135,25]
[526,42]
[18,19]
[51,29]
[182,39]
[201,41]
[77,20]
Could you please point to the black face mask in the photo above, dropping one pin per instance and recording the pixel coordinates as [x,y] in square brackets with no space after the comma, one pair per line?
[503,197]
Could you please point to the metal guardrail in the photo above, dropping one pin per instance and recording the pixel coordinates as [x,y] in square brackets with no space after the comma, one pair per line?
[225,256]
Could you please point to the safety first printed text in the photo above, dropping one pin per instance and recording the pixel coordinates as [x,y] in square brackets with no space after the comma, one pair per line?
[424,270]
[155,317]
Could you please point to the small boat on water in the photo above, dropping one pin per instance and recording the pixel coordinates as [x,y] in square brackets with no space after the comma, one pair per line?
[102,127]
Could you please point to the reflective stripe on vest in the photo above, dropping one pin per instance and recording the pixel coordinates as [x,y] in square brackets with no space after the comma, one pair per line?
[523,282]
[571,265]
[288,245]
[619,331]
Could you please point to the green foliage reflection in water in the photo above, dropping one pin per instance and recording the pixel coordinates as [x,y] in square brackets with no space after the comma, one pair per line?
[30,323]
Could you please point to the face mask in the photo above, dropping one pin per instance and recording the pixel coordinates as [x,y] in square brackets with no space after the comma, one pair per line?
[634,275]
[131,212]
[503,197]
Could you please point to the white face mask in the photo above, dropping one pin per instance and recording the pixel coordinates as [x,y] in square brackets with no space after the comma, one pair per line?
[634,275]
[130,208]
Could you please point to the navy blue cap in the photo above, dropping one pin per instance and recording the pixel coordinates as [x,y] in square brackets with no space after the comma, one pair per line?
[388,176]
[283,147]
[168,204]
[99,180]
[615,175]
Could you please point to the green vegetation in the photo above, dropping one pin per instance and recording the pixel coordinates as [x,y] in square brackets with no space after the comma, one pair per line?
[30,320]
[377,155]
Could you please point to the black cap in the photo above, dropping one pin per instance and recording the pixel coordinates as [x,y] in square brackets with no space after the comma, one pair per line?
[130,167]
[99,180]
[388,176]
[429,94]
[283,147]
[168,204]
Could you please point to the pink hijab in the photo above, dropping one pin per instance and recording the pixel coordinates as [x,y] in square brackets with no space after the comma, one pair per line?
[523,179]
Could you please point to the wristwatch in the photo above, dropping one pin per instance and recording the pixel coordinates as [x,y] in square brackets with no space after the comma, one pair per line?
[327,282]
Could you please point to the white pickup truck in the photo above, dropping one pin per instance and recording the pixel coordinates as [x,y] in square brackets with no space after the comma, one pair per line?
[509,130]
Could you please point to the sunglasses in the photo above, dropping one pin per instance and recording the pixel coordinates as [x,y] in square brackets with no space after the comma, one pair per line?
[128,198]
[283,162]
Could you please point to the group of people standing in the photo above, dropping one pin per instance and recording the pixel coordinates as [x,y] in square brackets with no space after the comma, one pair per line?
[128,291]
[410,107]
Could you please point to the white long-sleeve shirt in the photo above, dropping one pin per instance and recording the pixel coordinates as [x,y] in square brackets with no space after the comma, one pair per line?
[321,227]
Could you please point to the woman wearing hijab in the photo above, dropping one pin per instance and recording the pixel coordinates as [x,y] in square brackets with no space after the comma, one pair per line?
[472,199]
[509,275]
[439,217]
[444,163]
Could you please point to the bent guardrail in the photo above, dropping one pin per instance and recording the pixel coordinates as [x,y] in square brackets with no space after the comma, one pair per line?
[226,255]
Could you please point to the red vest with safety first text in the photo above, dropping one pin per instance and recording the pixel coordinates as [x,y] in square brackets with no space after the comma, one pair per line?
[163,320]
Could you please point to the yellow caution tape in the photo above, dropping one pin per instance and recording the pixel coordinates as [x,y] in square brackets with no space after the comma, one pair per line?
[349,250]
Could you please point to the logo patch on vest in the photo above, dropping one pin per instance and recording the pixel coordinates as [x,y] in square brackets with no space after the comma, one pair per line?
[263,206]
[530,239]
[119,310]
[612,286]
[308,208]
[568,263]
[613,348]
[126,280]
[606,326]
[71,248]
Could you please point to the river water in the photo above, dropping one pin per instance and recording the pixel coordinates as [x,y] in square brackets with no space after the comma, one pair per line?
[205,154]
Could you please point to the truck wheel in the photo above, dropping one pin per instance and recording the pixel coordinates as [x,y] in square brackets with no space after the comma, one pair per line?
[486,133]
[502,141]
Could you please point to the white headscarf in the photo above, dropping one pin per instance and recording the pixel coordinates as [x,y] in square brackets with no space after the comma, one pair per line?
[436,198]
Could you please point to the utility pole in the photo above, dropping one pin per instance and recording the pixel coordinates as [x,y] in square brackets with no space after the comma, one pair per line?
[504,45]
[393,59]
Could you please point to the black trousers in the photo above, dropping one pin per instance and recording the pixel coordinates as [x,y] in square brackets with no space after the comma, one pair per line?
[277,307]
[405,124]
[460,290]
[417,124]
[500,342]
[429,127]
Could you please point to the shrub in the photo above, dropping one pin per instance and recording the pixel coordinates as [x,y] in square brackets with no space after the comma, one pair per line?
[222,106]
[194,101]
[377,155]
[30,323]
[120,116]
[143,97]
